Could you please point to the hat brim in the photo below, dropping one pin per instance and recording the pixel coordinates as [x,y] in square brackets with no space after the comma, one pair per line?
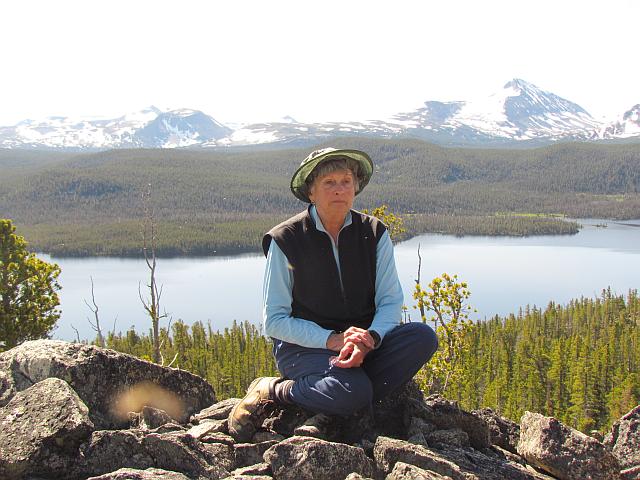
[300,176]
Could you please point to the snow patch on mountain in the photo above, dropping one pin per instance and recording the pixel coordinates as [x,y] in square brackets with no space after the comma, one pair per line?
[627,126]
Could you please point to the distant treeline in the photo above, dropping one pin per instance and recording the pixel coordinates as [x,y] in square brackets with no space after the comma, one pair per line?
[579,363]
[207,201]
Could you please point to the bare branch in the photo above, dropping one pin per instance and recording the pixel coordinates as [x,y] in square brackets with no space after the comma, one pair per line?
[77,333]
[174,359]
[94,309]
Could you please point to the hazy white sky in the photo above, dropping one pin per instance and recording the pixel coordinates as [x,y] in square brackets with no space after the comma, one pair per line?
[242,61]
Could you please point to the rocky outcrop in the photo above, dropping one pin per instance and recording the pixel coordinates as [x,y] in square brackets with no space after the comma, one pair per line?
[502,431]
[53,426]
[564,452]
[111,384]
[308,457]
[624,439]
[41,428]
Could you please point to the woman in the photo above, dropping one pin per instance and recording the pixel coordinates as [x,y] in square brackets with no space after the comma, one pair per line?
[332,302]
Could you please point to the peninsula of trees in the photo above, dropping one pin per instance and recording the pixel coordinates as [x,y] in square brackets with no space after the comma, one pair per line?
[210,202]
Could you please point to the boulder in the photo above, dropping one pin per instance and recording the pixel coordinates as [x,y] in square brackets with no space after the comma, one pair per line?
[624,439]
[389,451]
[207,427]
[149,418]
[136,474]
[247,454]
[632,473]
[41,430]
[451,462]
[110,383]
[453,436]
[217,411]
[564,452]
[108,450]
[502,431]
[447,415]
[300,458]
[404,471]
[259,469]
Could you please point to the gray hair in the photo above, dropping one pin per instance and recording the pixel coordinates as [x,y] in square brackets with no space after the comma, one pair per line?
[334,164]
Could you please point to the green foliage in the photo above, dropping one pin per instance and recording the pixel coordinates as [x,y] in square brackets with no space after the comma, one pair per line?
[228,360]
[28,291]
[579,363]
[394,223]
[223,200]
[446,298]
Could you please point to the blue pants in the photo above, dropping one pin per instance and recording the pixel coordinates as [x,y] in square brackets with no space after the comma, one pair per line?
[323,388]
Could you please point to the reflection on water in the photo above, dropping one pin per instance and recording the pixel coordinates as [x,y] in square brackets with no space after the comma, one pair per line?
[503,275]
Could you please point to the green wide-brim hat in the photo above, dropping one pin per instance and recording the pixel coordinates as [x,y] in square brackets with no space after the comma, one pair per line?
[315,158]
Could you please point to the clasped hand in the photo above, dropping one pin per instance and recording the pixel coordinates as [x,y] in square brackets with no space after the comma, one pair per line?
[353,346]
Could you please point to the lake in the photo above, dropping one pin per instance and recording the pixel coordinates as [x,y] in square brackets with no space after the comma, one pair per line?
[503,273]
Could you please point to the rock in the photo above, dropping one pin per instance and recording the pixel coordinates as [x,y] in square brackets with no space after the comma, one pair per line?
[419,426]
[149,418]
[217,411]
[248,477]
[259,469]
[488,465]
[136,474]
[404,471]
[624,439]
[454,462]
[356,476]
[111,384]
[168,427]
[41,430]
[454,436]
[207,427]
[265,436]
[564,452]
[448,415]
[389,451]
[250,454]
[299,458]
[217,437]
[502,431]
[177,452]
[632,473]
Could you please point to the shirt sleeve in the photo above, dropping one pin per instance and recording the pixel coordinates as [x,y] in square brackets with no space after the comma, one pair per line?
[277,294]
[388,297]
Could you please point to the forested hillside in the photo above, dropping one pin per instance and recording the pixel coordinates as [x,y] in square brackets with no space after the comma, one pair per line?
[208,201]
[578,362]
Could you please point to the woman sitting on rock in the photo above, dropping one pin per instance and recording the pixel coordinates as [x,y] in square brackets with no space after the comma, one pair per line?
[332,302]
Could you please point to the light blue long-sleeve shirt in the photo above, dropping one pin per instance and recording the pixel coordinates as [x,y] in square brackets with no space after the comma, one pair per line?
[278,287]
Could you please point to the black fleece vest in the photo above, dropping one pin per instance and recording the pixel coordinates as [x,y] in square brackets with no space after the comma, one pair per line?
[317,295]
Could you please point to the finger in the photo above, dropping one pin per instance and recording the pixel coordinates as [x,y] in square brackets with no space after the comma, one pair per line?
[364,338]
[345,352]
[355,330]
[354,360]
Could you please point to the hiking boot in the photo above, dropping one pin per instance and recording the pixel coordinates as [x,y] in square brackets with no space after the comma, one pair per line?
[249,413]
[318,426]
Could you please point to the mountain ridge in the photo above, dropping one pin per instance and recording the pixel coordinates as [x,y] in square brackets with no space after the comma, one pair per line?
[518,113]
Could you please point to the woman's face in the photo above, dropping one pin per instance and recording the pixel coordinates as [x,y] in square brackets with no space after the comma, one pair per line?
[333,193]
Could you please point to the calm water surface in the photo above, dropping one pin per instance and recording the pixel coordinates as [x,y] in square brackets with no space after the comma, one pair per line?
[503,274]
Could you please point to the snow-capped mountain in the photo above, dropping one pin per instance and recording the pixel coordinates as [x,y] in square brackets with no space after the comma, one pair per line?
[627,126]
[65,132]
[518,112]
[180,128]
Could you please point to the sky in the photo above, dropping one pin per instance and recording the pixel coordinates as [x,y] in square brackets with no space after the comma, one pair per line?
[244,61]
